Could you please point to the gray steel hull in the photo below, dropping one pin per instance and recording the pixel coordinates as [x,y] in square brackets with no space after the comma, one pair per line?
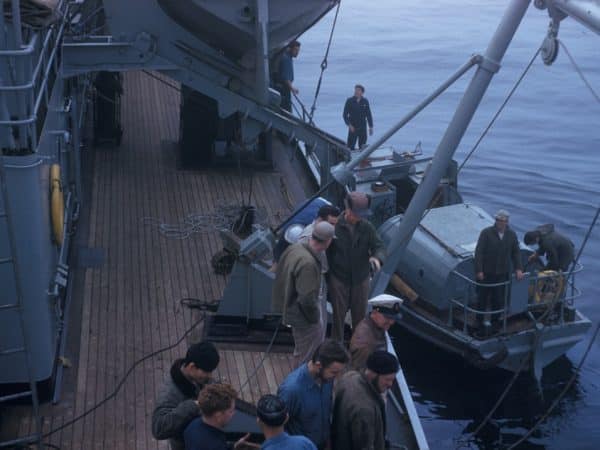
[507,351]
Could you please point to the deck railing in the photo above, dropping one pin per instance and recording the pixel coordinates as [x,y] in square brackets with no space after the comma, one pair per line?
[564,293]
[33,68]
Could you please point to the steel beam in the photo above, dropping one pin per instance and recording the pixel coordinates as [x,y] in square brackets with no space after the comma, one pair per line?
[447,146]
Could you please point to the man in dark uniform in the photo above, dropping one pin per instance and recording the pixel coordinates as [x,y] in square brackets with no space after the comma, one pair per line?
[558,249]
[357,113]
[497,250]
[176,404]
[285,75]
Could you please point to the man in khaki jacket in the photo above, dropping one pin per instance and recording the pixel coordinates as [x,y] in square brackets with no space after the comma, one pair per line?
[369,334]
[297,287]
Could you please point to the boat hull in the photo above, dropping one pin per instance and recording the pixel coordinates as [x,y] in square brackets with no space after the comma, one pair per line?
[507,351]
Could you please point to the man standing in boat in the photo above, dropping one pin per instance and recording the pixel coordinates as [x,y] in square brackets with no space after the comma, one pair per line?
[496,252]
[369,334]
[351,256]
[176,405]
[359,420]
[285,75]
[558,249]
[308,393]
[297,291]
[357,114]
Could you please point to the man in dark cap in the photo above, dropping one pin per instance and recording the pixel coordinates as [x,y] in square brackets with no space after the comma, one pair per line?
[351,256]
[497,251]
[272,415]
[297,291]
[369,334]
[176,404]
[359,420]
[558,249]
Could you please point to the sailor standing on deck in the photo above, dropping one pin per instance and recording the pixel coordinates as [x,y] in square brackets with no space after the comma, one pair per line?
[357,113]
[285,75]
[351,256]
[359,420]
[176,405]
[369,334]
[496,251]
[297,291]
[330,214]
[307,392]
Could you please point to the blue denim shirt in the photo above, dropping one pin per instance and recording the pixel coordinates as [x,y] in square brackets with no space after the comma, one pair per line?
[286,67]
[284,441]
[309,405]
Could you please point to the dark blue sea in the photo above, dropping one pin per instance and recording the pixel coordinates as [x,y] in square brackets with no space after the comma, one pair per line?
[541,161]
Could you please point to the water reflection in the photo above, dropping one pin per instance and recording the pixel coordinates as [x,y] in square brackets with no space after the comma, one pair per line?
[452,390]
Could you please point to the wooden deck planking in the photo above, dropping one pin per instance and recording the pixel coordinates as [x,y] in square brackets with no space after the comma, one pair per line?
[131,303]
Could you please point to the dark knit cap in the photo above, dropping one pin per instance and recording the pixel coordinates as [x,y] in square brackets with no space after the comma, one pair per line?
[382,363]
[530,237]
[271,410]
[204,355]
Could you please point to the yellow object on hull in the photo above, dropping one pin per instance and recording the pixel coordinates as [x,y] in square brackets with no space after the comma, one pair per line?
[57,203]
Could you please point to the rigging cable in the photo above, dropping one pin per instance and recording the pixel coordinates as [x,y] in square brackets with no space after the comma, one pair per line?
[172,86]
[539,331]
[324,64]
[562,393]
[114,393]
[551,305]
[504,103]
[579,71]
[262,361]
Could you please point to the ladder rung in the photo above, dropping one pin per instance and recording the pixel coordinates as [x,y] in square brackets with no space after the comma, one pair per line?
[5,260]
[9,306]
[7,398]
[22,440]
[10,351]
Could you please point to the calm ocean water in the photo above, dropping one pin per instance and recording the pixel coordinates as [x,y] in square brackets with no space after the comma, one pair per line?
[541,161]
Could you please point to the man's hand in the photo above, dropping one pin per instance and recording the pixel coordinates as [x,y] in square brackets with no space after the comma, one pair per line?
[295,90]
[351,128]
[519,274]
[480,276]
[375,263]
[243,443]
[533,256]
[371,131]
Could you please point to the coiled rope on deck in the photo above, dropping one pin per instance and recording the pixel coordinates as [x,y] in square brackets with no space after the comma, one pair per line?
[223,219]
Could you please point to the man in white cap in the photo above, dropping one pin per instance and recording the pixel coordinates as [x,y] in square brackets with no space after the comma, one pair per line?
[369,334]
[297,291]
[496,253]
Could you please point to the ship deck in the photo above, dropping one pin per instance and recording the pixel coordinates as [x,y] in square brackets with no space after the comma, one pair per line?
[129,279]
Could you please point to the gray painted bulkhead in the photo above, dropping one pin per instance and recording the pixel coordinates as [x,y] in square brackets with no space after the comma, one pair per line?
[28,185]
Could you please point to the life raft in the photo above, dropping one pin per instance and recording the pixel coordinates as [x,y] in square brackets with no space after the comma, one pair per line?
[57,203]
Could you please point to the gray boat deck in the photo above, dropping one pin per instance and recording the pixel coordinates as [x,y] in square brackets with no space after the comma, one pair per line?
[129,306]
